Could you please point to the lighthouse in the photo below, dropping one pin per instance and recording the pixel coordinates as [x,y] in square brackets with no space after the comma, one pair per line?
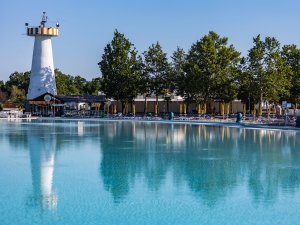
[42,77]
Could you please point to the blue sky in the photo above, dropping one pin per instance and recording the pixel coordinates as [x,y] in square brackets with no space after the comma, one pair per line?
[88,25]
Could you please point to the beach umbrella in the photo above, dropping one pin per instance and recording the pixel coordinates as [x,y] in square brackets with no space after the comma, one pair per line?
[156,109]
[115,109]
[184,108]
[133,108]
[269,110]
[222,108]
[245,109]
[180,108]
[199,109]
[204,108]
[254,110]
[228,109]
[260,109]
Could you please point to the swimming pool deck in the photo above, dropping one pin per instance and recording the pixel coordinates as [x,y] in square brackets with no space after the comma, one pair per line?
[208,122]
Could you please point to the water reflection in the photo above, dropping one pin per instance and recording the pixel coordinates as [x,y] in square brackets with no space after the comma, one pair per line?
[43,140]
[211,161]
[42,147]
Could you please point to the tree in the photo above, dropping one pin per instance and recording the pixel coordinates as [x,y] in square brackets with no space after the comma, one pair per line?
[65,84]
[245,84]
[121,70]
[291,55]
[93,87]
[2,86]
[20,80]
[79,83]
[17,96]
[157,72]
[211,70]
[266,71]
[3,94]
[179,76]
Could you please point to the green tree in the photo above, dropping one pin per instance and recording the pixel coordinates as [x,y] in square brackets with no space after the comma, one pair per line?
[121,70]
[157,72]
[211,70]
[17,96]
[65,84]
[93,87]
[178,74]
[20,80]
[2,85]
[80,84]
[3,93]
[245,84]
[291,54]
[266,71]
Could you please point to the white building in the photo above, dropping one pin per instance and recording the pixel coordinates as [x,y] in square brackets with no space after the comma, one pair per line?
[42,77]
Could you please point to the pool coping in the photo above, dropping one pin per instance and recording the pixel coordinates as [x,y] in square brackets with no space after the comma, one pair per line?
[190,122]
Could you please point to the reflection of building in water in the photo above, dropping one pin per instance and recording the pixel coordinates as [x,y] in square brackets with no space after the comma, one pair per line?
[80,128]
[42,148]
[155,133]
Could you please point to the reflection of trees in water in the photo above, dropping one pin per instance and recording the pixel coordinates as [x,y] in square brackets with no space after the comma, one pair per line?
[211,160]
[272,160]
[15,135]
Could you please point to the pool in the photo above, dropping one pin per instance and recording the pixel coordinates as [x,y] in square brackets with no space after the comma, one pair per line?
[130,172]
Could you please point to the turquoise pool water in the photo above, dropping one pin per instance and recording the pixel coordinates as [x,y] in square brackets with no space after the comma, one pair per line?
[122,172]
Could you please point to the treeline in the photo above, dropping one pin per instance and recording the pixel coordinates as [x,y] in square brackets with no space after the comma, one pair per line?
[15,89]
[211,70]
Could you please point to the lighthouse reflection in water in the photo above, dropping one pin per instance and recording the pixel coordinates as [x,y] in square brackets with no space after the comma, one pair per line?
[92,172]
[42,150]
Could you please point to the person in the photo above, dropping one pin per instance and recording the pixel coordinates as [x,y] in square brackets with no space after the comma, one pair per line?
[278,110]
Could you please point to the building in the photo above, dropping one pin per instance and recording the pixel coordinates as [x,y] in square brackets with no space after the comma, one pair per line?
[42,77]
[66,105]
[42,98]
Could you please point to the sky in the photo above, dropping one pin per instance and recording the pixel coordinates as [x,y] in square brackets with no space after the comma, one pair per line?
[87,26]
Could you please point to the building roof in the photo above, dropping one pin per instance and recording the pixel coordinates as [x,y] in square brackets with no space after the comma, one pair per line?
[81,98]
[72,98]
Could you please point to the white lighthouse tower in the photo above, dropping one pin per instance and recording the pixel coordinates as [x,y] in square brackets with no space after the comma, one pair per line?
[42,77]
